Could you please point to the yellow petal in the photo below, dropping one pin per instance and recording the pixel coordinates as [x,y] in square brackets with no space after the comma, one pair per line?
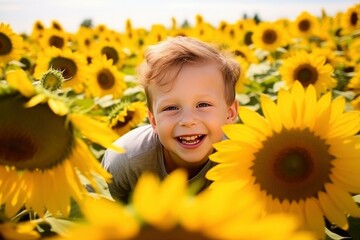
[40,98]
[342,199]
[271,113]
[314,217]
[19,80]
[285,105]
[58,107]
[95,131]
[332,212]
[254,120]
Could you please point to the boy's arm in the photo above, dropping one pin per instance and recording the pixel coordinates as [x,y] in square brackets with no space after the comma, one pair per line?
[117,166]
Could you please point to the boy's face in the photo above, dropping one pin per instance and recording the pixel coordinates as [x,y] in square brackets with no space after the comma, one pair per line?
[188,118]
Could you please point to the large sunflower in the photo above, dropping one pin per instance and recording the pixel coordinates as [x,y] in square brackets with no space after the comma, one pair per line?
[72,64]
[43,149]
[165,210]
[308,68]
[302,157]
[270,36]
[104,78]
[10,44]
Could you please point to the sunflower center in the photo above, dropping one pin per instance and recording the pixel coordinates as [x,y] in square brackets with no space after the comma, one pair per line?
[56,41]
[304,25]
[110,53]
[306,74]
[177,233]
[105,79]
[269,36]
[32,138]
[16,146]
[67,66]
[239,53]
[293,164]
[5,44]
[52,80]
[354,19]
[127,118]
[248,38]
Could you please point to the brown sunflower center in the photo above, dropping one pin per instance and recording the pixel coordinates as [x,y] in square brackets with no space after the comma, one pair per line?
[16,146]
[248,38]
[32,138]
[105,79]
[269,36]
[239,53]
[5,44]
[304,25]
[110,53]
[177,233]
[127,118]
[354,19]
[56,41]
[293,164]
[66,65]
[306,74]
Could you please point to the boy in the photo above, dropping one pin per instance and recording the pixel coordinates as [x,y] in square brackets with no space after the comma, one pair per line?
[190,91]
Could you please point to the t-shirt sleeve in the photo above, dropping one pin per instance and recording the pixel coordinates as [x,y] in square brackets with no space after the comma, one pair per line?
[117,165]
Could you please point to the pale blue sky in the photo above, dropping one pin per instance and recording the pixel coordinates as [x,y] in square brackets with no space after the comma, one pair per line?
[21,14]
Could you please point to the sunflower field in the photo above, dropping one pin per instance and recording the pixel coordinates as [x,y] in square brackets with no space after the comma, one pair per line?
[289,168]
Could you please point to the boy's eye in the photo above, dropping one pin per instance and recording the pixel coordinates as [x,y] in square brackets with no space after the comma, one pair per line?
[204,104]
[170,108]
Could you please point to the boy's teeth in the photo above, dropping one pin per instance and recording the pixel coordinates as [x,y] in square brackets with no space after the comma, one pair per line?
[190,139]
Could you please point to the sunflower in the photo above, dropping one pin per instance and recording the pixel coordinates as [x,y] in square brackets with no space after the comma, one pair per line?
[37,30]
[305,25]
[309,69]
[301,157]
[126,116]
[54,38]
[10,44]
[353,51]
[111,50]
[72,64]
[269,36]
[43,149]
[104,78]
[350,20]
[165,210]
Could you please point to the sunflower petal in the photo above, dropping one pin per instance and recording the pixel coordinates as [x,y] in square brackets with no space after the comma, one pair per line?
[332,212]
[19,80]
[271,112]
[314,217]
[343,200]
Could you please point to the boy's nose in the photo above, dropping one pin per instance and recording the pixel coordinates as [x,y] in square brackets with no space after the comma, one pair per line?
[187,119]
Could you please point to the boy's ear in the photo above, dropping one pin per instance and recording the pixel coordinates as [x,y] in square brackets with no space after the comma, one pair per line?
[152,119]
[233,112]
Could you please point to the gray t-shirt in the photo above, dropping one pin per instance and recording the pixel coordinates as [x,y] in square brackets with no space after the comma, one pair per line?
[143,152]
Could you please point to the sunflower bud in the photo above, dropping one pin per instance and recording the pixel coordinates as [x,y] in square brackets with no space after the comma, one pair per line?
[52,80]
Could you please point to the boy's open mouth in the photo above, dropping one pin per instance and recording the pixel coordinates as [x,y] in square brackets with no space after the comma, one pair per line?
[190,139]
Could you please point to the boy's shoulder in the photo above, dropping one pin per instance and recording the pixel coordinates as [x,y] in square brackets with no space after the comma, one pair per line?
[138,140]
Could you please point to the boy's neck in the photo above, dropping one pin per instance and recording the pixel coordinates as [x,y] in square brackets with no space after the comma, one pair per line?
[170,165]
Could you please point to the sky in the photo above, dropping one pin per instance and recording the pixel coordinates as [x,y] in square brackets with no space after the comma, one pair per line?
[22,14]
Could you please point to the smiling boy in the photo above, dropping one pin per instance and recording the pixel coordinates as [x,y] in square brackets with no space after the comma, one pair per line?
[190,90]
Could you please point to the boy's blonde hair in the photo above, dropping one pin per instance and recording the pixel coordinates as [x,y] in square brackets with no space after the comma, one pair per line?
[164,61]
